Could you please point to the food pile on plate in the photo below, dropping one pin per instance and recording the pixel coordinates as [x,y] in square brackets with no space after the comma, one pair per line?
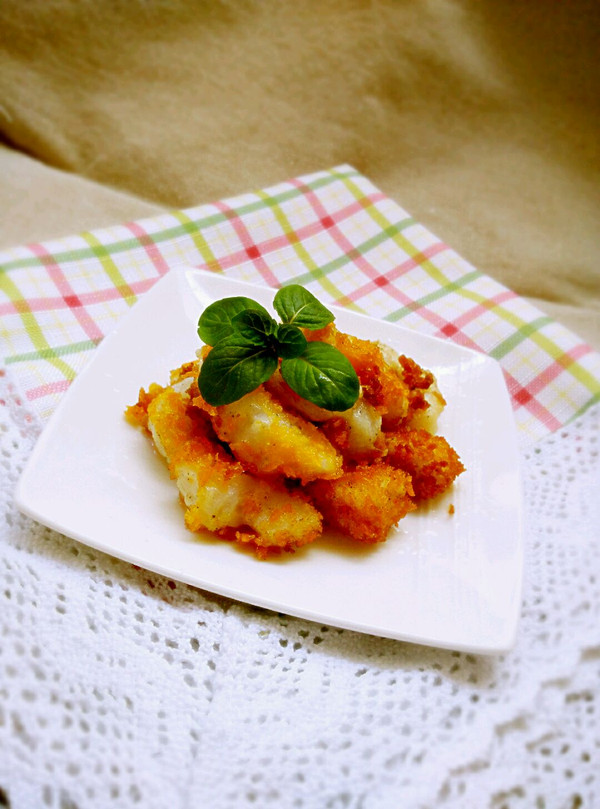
[266,467]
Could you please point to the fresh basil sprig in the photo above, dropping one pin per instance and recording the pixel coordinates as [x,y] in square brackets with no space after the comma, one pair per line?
[247,344]
[323,375]
[298,306]
[216,320]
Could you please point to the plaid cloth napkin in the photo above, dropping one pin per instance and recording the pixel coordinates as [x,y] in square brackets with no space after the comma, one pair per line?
[332,231]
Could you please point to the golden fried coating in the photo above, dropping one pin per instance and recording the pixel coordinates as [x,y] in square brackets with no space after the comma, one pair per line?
[365,502]
[270,440]
[137,414]
[415,377]
[220,496]
[424,417]
[403,393]
[218,493]
[381,382]
[429,459]
[356,432]
[188,371]
[425,402]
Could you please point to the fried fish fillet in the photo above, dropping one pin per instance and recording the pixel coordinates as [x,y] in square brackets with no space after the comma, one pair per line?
[268,439]
[365,502]
[429,459]
[217,492]
[356,432]
[381,380]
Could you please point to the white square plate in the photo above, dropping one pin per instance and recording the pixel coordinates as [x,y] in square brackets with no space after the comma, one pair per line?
[441,579]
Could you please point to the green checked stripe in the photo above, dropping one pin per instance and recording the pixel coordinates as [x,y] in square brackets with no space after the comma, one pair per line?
[34,332]
[53,353]
[185,228]
[321,272]
[314,271]
[422,303]
[396,233]
[594,400]
[194,231]
[523,332]
[110,268]
[532,331]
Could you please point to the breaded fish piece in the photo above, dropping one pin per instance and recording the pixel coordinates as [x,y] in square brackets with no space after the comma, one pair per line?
[270,440]
[365,502]
[238,466]
[429,459]
[381,381]
[218,494]
[425,402]
[356,431]
[137,414]
[404,393]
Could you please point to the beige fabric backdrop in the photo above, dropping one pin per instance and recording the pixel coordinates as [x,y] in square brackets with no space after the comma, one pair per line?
[480,118]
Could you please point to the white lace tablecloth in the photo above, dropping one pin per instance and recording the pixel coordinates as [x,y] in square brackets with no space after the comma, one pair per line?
[121,688]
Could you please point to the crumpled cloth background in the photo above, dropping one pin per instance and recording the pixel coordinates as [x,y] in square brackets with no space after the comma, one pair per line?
[480,118]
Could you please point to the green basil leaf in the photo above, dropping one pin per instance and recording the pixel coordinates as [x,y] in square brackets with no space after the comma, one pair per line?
[298,306]
[252,324]
[323,375]
[290,342]
[233,368]
[215,320]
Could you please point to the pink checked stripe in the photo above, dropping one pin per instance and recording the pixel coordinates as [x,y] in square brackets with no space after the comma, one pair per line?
[526,396]
[480,309]
[46,390]
[440,324]
[250,248]
[282,241]
[383,279]
[521,397]
[149,246]
[67,292]
[86,298]
[342,241]
[554,370]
